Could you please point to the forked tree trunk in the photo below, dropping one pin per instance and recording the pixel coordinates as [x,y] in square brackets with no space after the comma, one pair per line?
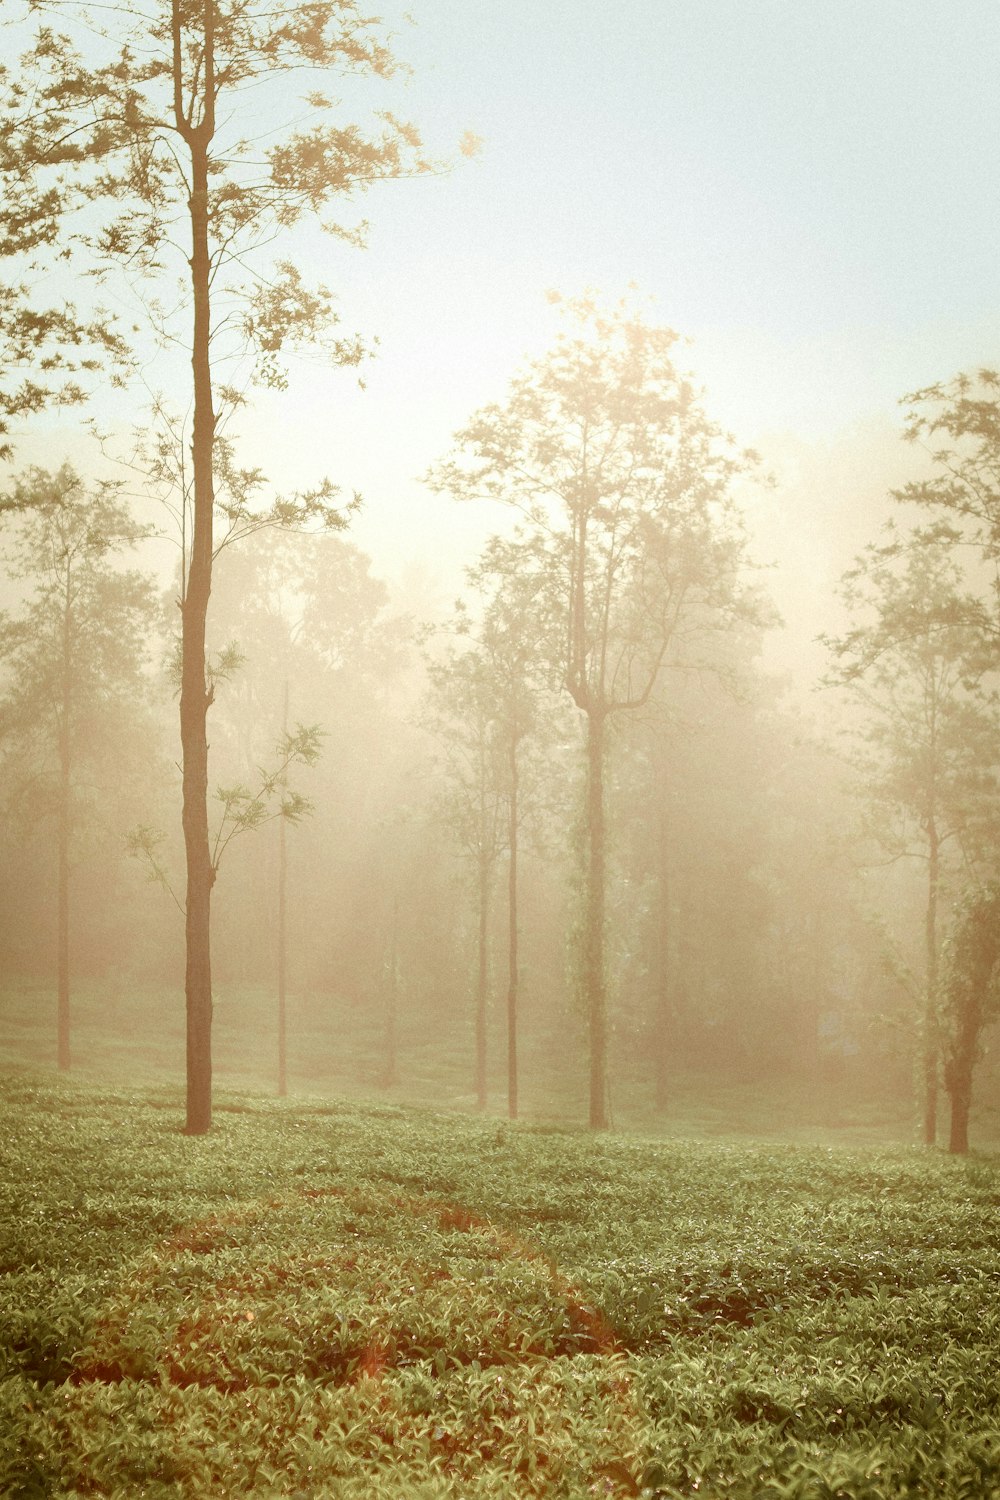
[512,935]
[196,695]
[593,920]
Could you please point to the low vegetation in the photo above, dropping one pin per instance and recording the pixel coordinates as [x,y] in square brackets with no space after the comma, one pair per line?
[351,1300]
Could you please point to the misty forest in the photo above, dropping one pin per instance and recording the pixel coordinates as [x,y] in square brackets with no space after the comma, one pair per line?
[500,741]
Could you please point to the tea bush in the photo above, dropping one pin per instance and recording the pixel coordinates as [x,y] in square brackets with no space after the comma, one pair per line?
[357,1301]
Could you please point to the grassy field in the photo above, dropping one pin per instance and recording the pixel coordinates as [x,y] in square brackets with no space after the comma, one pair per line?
[352,1300]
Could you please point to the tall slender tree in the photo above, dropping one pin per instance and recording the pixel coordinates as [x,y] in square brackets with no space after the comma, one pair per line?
[623,487]
[510,640]
[929,736]
[75,657]
[460,711]
[970,1000]
[168,103]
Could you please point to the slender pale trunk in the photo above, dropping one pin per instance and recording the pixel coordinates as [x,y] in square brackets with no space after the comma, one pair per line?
[662,950]
[64,818]
[593,939]
[929,1060]
[482,977]
[594,894]
[512,934]
[391,1074]
[282,931]
[196,696]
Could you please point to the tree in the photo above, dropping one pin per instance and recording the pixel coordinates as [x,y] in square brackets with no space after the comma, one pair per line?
[509,639]
[509,647]
[622,485]
[306,610]
[969,1000]
[48,351]
[931,738]
[74,658]
[170,108]
[282,935]
[460,712]
[689,796]
[957,422]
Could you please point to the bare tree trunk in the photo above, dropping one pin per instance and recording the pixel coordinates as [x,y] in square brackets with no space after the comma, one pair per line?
[64,816]
[929,1058]
[959,1071]
[662,1001]
[391,1074]
[593,940]
[282,932]
[196,695]
[512,936]
[958,1137]
[482,979]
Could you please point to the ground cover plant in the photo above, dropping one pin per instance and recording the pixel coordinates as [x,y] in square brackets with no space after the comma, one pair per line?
[347,1299]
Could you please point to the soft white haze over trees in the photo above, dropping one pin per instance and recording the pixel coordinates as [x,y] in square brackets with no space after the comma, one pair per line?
[75,703]
[563,846]
[165,110]
[622,487]
[929,733]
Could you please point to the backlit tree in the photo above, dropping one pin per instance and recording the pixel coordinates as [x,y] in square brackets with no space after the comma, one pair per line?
[623,488]
[183,110]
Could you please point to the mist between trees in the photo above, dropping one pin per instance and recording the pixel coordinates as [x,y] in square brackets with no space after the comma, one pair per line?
[563,851]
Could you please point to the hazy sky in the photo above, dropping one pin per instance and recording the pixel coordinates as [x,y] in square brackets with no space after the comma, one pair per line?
[808,190]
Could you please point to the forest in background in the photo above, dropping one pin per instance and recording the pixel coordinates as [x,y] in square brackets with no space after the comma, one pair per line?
[575,810]
[766,890]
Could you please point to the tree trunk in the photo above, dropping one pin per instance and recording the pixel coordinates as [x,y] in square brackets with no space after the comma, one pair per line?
[929,1058]
[482,979]
[391,1074]
[512,936]
[958,1138]
[64,816]
[196,696]
[959,1071]
[593,928]
[282,936]
[662,950]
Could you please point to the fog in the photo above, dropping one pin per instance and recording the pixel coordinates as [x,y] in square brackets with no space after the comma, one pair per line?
[809,201]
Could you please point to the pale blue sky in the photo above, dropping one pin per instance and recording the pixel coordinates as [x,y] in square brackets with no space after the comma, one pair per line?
[778,169]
